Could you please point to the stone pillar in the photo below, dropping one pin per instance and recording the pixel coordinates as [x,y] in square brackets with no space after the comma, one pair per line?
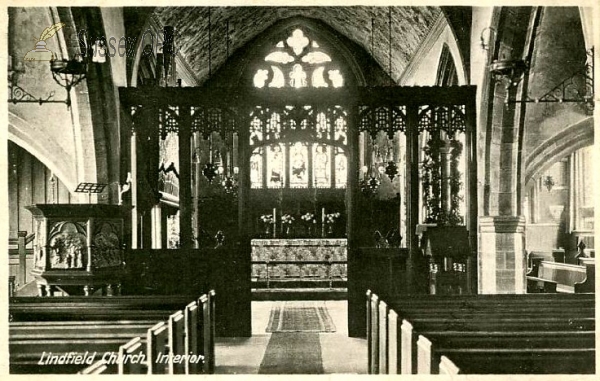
[501,258]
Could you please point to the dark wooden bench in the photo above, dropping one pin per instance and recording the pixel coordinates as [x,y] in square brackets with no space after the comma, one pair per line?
[509,354]
[393,348]
[472,313]
[561,277]
[520,361]
[128,325]
[402,338]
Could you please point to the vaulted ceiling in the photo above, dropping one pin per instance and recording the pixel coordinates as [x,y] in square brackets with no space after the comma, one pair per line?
[410,25]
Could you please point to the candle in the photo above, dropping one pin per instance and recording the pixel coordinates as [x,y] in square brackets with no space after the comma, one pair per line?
[323,222]
[274,221]
[89,231]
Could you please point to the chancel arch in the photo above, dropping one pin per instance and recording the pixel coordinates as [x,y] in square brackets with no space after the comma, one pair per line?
[287,144]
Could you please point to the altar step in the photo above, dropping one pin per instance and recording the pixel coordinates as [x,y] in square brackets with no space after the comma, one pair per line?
[261,294]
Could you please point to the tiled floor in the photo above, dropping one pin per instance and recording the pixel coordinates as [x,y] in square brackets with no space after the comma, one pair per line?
[340,353]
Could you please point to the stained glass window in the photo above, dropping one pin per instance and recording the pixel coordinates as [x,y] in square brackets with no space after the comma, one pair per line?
[256,134]
[322,165]
[341,169]
[298,62]
[317,78]
[260,78]
[298,165]
[279,57]
[275,166]
[340,130]
[256,168]
[336,78]
[298,147]
[322,126]
[278,79]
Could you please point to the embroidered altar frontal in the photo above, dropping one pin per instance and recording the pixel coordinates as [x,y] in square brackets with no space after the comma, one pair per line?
[298,262]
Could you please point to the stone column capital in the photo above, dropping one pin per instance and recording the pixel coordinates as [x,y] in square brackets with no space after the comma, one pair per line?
[502,224]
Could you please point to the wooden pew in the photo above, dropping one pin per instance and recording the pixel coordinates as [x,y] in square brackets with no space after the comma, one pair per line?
[383,335]
[561,277]
[192,320]
[28,345]
[99,367]
[210,357]
[589,284]
[176,343]
[158,348]
[551,357]
[404,338]
[521,349]
[374,334]
[133,357]
[26,356]
[369,334]
[482,314]
[206,345]
[159,343]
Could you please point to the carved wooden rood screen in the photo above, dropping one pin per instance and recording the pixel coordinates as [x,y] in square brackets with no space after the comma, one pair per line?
[199,113]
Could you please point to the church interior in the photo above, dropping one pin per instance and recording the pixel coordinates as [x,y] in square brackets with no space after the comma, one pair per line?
[301,190]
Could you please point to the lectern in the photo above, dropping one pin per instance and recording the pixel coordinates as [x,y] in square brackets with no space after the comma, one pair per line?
[78,248]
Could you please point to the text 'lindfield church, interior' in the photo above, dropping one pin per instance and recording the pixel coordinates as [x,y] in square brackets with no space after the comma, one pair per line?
[312,190]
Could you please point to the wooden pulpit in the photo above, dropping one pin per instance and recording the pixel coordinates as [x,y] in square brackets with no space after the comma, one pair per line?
[78,248]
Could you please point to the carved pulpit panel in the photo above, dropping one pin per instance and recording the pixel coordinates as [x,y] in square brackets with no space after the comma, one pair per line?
[78,247]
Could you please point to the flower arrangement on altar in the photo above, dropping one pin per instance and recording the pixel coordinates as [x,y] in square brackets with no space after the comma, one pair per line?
[330,218]
[287,219]
[267,218]
[309,217]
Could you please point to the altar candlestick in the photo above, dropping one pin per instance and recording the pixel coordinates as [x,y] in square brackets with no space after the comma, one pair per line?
[274,222]
[323,222]
[89,231]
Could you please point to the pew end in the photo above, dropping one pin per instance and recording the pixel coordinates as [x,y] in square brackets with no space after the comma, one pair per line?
[369,333]
[131,355]
[447,367]
[383,338]
[99,367]
[157,348]
[426,364]
[176,342]
[408,363]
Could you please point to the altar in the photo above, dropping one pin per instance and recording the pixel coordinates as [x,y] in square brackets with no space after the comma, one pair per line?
[299,262]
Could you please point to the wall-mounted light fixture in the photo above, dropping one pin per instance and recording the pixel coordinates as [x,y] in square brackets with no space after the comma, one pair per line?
[66,73]
[577,88]
[510,70]
[549,183]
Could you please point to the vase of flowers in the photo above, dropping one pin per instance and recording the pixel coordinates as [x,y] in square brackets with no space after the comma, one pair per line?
[309,221]
[268,221]
[330,220]
[286,223]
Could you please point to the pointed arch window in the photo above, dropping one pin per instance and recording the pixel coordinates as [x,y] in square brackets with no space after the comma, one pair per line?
[298,146]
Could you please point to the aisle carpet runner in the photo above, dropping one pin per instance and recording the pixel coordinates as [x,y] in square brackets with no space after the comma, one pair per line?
[294,347]
[310,317]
